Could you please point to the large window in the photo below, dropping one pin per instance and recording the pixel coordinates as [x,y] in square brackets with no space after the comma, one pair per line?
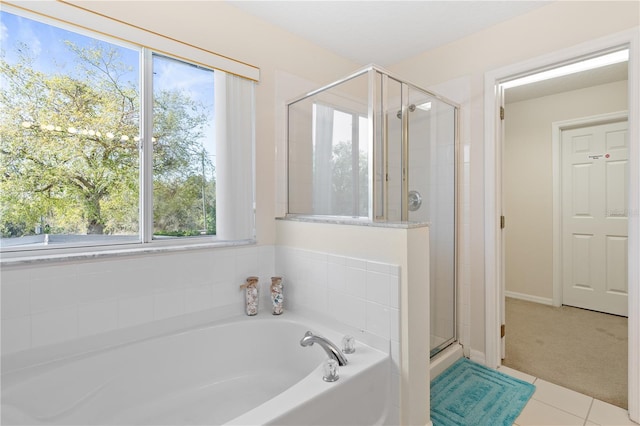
[184,186]
[102,142]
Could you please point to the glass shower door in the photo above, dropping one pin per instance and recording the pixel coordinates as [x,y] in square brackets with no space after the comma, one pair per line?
[431,198]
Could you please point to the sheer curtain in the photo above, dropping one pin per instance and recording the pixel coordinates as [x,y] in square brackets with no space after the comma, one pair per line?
[235,159]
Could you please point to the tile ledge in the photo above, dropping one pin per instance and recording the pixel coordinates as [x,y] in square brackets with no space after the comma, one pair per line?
[340,220]
[111,252]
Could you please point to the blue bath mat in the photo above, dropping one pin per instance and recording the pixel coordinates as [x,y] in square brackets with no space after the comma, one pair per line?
[469,394]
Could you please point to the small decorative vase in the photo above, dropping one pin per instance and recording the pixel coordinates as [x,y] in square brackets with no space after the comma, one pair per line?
[251,295]
[276,295]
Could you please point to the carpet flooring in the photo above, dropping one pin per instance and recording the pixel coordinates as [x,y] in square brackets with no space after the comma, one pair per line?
[575,348]
[470,394]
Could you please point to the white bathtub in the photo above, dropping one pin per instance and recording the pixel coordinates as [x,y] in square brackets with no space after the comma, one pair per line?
[246,371]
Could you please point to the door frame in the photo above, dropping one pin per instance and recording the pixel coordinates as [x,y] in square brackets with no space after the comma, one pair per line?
[557,127]
[494,295]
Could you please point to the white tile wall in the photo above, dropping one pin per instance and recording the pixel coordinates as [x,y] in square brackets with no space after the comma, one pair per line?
[97,317]
[54,326]
[16,333]
[135,310]
[55,302]
[360,295]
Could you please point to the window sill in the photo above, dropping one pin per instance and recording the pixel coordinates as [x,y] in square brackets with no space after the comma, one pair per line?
[71,255]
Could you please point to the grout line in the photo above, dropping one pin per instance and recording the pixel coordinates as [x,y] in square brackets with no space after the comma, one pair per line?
[589,411]
[561,409]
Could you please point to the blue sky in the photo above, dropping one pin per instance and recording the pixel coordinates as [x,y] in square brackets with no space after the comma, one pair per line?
[46,44]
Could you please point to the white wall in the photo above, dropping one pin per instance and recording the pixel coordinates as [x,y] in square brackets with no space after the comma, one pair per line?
[528,180]
[558,25]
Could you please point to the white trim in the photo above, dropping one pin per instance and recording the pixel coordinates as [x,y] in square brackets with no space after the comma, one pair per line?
[529,297]
[445,359]
[492,252]
[87,20]
[634,225]
[557,127]
[493,197]
[478,356]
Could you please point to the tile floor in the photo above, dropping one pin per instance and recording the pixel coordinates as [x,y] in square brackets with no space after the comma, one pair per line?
[554,405]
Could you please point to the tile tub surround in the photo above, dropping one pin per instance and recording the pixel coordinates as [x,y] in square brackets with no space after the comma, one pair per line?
[54,303]
[49,303]
[357,296]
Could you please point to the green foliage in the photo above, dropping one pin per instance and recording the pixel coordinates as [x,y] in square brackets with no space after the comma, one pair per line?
[179,207]
[346,185]
[69,154]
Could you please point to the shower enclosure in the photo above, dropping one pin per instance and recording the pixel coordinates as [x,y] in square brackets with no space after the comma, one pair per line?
[374,148]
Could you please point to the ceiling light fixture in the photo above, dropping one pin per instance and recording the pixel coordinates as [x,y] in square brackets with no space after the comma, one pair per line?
[587,64]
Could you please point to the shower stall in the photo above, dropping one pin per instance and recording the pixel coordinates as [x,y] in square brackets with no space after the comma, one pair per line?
[374,148]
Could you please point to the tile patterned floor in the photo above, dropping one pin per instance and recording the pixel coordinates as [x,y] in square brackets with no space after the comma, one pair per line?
[555,405]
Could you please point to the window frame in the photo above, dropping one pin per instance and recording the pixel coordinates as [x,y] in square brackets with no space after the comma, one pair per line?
[68,17]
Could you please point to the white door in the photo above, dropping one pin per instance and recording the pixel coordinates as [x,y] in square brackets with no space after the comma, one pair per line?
[594,217]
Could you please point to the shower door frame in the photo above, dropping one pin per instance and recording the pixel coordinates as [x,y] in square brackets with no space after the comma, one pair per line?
[406,88]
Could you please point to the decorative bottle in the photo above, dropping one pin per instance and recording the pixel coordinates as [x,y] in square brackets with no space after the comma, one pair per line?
[276,295]
[251,295]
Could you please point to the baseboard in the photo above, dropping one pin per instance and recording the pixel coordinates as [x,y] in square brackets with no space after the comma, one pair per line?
[479,357]
[529,298]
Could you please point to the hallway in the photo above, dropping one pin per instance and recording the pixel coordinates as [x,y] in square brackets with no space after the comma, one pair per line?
[569,347]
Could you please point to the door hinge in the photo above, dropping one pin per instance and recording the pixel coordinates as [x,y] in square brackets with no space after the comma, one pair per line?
[503,331]
[502,222]
[501,113]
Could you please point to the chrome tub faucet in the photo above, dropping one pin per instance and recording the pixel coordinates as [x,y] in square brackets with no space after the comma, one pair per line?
[329,347]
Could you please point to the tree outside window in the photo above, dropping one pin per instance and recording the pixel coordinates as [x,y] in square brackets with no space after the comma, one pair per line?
[70,145]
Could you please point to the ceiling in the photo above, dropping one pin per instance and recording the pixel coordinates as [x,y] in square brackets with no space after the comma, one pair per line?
[384,32]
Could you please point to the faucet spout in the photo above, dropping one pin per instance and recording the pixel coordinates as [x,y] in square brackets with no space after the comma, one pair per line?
[329,347]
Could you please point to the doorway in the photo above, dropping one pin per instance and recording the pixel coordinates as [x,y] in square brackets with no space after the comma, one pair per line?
[580,173]
[493,199]
[556,161]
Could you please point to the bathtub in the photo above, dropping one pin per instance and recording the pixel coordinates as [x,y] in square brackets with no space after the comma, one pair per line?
[243,371]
